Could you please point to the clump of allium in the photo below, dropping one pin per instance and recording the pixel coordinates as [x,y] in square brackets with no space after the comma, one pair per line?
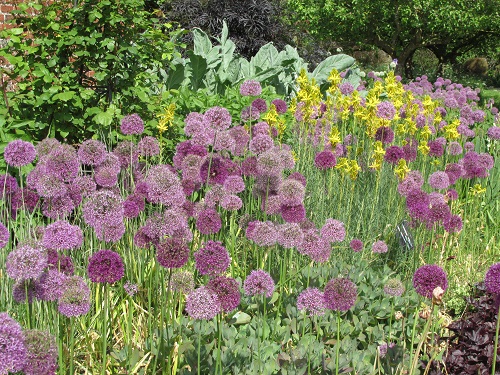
[250,87]
[103,206]
[494,132]
[436,148]
[492,279]
[280,104]
[260,143]
[386,110]
[172,252]
[231,202]
[227,290]
[92,152]
[453,224]
[218,118]
[4,236]
[148,146]
[62,162]
[293,213]
[105,266]
[291,192]
[356,245]
[263,233]
[234,184]
[393,154]
[23,291]
[18,153]
[75,297]
[47,186]
[212,259]
[45,146]
[394,287]
[133,205]
[164,186]
[214,171]
[325,160]
[42,352]
[439,180]
[61,235]
[208,221]
[259,282]
[429,277]
[132,124]
[26,262]
[454,148]
[49,286]
[384,134]
[182,282]
[340,294]
[312,300]
[13,351]
[269,163]
[9,185]
[289,235]
[315,247]
[333,230]
[203,304]
[260,105]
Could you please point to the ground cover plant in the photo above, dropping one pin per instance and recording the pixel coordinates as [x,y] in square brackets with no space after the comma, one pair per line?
[326,234]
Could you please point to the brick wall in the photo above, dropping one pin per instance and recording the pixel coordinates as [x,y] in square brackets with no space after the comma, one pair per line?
[6,7]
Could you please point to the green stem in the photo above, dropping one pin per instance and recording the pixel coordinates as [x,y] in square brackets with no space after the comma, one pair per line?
[72,348]
[337,351]
[421,342]
[493,365]
[199,348]
[104,333]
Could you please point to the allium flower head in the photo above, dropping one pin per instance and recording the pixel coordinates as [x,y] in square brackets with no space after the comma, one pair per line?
[8,184]
[315,247]
[384,134]
[227,290]
[132,124]
[454,148]
[182,282]
[293,213]
[439,180]
[172,252]
[75,298]
[289,235]
[325,160]
[234,184]
[45,146]
[249,113]
[218,118]
[393,154]
[63,163]
[263,233]
[24,290]
[333,230]
[340,294]
[203,304]
[386,110]
[261,143]
[61,235]
[291,192]
[208,221]
[49,286]
[92,152]
[212,259]
[58,261]
[427,278]
[346,88]
[41,352]
[18,153]
[109,232]
[4,236]
[214,171]
[26,262]
[13,351]
[126,152]
[103,206]
[269,163]
[492,279]
[356,245]
[312,300]
[394,287]
[494,132]
[164,186]
[453,224]
[105,266]
[259,282]
[148,146]
[281,106]
[250,87]
[260,105]
[231,202]
[130,289]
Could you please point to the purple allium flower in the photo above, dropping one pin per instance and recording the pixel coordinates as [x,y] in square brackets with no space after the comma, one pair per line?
[234,184]
[417,203]
[41,358]
[4,236]
[384,134]
[249,114]
[260,105]
[218,118]
[26,262]
[227,290]
[325,160]
[92,152]
[142,239]
[293,213]
[164,186]
[473,166]
[250,87]
[261,143]
[63,163]
[109,232]
[492,279]
[130,289]
[172,252]
[386,110]
[393,154]
[126,152]
[25,198]
[49,186]
[208,221]
[259,282]
[340,294]
[148,146]
[315,247]
[313,301]
[289,235]
[60,262]
[261,128]
[410,150]
[346,88]
[8,185]
[454,148]
[103,206]
[45,146]
[269,163]
[85,185]
[50,285]
[203,304]
[18,153]
[132,124]
[58,207]
[224,142]
[291,192]
[75,297]
[453,224]
[13,351]
[105,266]
[182,282]
[429,277]
[299,177]
[133,205]
[281,106]
[436,148]
[263,233]
[61,235]
[194,123]
[494,132]
[356,245]
[333,230]
[241,139]
[439,180]
[212,259]
[452,194]
[394,287]
[23,291]
[454,172]
[213,171]
[379,247]
[438,212]
[249,166]
[231,202]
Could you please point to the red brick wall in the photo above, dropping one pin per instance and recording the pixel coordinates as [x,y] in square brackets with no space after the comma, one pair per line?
[6,7]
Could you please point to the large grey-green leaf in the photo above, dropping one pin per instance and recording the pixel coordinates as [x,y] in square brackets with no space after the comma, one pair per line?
[199,70]
[176,75]
[202,43]
[213,58]
[267,56]
[224,34]
[339,62]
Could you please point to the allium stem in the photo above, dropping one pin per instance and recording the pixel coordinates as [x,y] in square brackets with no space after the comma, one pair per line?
[421,342]
[337,350]
[495,348]
[199,348]
[104,333]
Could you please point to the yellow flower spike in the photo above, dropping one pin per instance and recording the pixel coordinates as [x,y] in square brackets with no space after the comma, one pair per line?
[342,164]
[477,189]
[401,128]
[425,133]
[334,78]
[379,149]
[437,118]
[435,162]
[451,131]
[294,155]
[376,165]
[411,126]
[354,169]
[334,136]
[271,117]
[166,118]
[401,169]
[423,147]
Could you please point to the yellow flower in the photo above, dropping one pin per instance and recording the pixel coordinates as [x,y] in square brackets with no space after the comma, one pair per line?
[334,136]
[342,164]
[271,117]
[354,169]
[477,189]
[450,130]
[166,118]
[423,147]
[379,149]
[334,78]
[426,132]
[401,169]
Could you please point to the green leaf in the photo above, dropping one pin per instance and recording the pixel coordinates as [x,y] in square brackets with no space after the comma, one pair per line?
[198,65]
[202,44]
[103,118]
[65,95]
[339,62]
[240,318]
